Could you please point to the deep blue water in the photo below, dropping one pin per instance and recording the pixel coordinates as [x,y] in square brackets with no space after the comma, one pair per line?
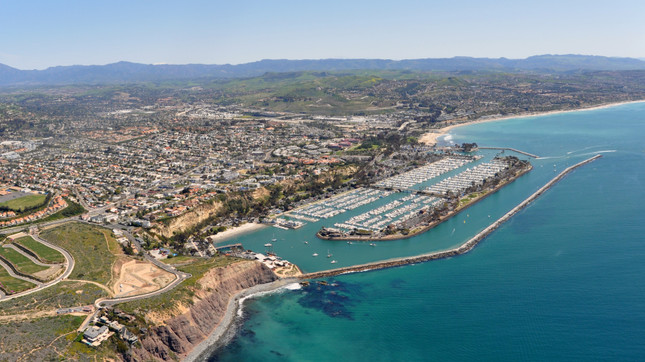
[564,279]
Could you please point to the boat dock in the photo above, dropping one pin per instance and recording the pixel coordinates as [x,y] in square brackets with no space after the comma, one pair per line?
[462,249]
[509,149]
[230,246]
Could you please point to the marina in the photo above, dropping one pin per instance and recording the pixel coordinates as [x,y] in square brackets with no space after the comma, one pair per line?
[469,178]
[425,173]
[338,204]
[394,213]
[461,249]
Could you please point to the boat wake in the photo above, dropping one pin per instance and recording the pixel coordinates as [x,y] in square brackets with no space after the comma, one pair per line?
[584,149]
[596,152]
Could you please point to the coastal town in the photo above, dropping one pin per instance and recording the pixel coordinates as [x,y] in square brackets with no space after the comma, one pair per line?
[156,187]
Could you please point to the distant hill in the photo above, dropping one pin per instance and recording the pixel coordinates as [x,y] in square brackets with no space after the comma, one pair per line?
[124,72]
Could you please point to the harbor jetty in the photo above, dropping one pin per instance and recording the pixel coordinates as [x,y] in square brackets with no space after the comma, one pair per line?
[462,249]
[510,149]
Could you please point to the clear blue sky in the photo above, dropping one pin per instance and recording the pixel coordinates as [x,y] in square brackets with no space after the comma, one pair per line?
[39,34]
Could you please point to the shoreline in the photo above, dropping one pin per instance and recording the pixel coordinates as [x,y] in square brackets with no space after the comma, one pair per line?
[463,248]
[430,138]
[216,339]
[236,231]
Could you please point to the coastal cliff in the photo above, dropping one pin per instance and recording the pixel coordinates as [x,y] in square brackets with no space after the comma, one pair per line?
[174,334]
[188,220]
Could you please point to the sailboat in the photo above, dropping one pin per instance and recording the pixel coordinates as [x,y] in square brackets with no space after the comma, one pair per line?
[329,255]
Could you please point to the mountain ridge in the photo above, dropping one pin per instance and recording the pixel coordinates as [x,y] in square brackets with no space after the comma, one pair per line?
[127,72]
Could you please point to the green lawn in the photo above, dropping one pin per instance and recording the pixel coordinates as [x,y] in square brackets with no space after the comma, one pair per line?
[24,202]
[10,283]
[89,248]
[21,262]
[45,253]
[469,198]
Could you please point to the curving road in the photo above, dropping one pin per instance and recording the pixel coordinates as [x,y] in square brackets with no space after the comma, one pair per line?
[69,266]
[10,271]
[26,255]
[180,277]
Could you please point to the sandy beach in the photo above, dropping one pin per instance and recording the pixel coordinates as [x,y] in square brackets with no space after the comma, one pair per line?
[431,137]
[236,231]
[224,331]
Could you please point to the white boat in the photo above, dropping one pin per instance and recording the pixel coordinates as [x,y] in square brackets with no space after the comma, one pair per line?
[372,244]
[329,255]
[333,261]
[306,242]
[314,254]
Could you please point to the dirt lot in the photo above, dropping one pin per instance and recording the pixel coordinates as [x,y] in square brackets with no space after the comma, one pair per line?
[138,277]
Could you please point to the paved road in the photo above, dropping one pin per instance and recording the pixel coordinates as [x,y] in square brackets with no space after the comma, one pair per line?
[69,266]
[103,302]
[8,268]
[26,255]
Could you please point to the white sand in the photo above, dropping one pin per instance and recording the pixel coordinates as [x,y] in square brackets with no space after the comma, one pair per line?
[231,232]
[430,138]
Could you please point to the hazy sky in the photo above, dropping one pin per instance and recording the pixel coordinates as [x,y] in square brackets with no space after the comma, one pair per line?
[39,34]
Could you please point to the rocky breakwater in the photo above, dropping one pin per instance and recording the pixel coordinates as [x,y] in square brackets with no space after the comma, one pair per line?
[175,333]
[462,249]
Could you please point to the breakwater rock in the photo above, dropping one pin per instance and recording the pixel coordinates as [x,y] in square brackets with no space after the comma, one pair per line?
[462,249]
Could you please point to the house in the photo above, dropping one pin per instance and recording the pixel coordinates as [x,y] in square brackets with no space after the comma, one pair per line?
[128,336]
[94,335]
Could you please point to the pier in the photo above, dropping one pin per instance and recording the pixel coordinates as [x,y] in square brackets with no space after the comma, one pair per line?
[462,249]
[230,246]
[509,149]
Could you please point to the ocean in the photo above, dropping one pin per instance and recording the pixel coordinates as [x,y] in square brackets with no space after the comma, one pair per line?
[564,279]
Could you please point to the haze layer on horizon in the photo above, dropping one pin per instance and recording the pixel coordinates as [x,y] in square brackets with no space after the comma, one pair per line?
[39,34]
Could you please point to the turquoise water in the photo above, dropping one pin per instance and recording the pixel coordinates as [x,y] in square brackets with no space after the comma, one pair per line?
[564,279]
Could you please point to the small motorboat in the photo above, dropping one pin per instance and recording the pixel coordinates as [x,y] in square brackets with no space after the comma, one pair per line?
[314,254]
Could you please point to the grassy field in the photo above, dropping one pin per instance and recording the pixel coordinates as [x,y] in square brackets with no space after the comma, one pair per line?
[45,253]
[469,198]
[62,295]
[40,340]
[21,262]
[12,284]
[184,291]
[179,260]
[24,202]
[90,247]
